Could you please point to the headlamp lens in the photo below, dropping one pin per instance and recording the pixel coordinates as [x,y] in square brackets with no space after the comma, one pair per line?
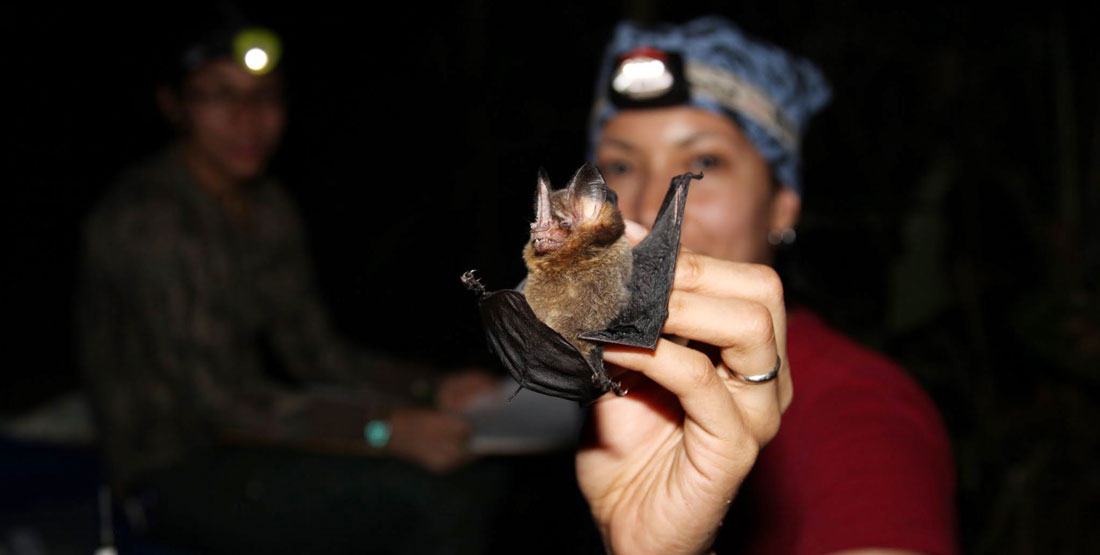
[257,49]
[642,77]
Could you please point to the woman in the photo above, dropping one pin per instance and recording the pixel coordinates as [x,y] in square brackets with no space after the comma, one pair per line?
[862,461]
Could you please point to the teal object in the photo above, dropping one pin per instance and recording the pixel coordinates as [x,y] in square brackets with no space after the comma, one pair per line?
[377,433]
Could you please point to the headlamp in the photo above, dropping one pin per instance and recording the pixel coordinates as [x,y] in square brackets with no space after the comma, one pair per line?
[647,77]
[257,49]
[643,75]
[768,93]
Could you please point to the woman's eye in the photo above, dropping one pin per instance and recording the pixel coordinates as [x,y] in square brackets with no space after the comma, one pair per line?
[615,168]
[705,162]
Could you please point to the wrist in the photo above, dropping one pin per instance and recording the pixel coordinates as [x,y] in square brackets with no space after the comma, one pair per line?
[674,543]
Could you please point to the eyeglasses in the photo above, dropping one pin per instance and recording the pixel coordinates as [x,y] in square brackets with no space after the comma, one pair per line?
[228,98]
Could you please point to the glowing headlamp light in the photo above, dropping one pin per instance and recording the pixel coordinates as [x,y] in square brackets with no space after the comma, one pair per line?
[643,75]
[648,77]
[257,49]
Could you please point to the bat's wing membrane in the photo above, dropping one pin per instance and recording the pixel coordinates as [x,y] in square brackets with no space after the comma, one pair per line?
[536,356]
[640,323]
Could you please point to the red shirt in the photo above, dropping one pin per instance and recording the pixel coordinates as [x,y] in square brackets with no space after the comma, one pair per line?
[861,460]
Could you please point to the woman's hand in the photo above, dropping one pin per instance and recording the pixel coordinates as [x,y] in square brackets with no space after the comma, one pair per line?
[432,439]
[458,390]
[662,464]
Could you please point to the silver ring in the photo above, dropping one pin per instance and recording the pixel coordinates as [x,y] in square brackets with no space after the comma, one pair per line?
[761,378]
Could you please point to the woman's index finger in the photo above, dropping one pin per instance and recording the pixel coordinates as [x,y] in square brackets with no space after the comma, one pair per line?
[702,274]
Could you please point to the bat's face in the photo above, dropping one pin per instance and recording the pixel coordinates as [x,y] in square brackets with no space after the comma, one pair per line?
[554,221]
[575,218]
[729,212]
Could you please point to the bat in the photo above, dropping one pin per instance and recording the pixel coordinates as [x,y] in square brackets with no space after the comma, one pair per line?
[578,256]
[582,291]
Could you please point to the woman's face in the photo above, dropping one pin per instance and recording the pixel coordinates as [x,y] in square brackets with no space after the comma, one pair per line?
[729,212]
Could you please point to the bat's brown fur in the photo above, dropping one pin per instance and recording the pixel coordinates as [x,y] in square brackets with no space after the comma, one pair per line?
[583,284]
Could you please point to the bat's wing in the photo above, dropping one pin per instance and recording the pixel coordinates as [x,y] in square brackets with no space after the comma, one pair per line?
[536,356]
[640,323]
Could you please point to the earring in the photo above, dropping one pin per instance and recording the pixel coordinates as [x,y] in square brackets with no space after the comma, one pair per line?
[785,236]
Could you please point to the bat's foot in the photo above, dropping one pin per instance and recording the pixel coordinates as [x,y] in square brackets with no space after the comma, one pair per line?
[600,379]
[617,387]
[472,283]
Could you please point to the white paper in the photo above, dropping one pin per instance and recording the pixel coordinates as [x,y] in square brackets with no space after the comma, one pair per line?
[529,423]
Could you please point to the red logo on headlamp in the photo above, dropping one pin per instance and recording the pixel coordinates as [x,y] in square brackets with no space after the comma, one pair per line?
[644,52]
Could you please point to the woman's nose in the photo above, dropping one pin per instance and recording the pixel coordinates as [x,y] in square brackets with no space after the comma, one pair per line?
[648,203]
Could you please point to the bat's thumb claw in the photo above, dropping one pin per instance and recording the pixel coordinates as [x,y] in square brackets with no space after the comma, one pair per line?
[472,283]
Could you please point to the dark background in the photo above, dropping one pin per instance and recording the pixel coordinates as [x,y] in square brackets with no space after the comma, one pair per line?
[950,213]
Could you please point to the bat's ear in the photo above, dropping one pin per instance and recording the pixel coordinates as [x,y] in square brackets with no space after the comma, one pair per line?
[542,200]
[544,180]
[589,192]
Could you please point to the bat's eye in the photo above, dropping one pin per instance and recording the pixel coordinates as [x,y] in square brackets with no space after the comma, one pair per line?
[565,224]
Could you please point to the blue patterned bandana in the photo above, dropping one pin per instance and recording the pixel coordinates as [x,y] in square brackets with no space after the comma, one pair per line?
[709,63]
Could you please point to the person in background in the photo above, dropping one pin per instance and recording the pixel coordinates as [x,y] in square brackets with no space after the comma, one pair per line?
[229,410]
[691,457]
